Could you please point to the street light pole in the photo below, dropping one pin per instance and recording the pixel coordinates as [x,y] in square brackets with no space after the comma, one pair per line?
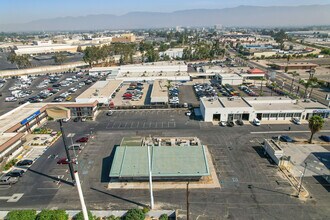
[150,180]
[81,197]
[301,179]
[67,153]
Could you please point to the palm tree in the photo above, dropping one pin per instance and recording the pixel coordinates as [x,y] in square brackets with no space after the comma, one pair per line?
[313,84]
[315,124]
[294,74]
[306,85]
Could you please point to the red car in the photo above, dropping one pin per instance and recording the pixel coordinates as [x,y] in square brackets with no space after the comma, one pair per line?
[82,140]
[64,160]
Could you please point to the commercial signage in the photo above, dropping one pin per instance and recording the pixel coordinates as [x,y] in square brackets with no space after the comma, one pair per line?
[30,118]
[321,111]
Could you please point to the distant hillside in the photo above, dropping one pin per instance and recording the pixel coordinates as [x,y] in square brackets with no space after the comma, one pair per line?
[239,16]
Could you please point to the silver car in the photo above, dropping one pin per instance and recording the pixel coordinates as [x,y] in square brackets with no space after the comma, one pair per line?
[8,180]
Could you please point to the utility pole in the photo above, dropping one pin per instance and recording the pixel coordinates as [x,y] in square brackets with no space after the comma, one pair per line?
[150,180]
[187,197]
[67,153]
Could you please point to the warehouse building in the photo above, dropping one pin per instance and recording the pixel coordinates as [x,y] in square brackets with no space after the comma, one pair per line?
[263,108]
[188,163]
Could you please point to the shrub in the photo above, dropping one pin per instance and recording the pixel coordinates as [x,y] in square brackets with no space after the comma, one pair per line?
[52,214]
[22,215]
[80,216]
[145,210]
[163,217]
[134,214]
[112,217]
[10,164]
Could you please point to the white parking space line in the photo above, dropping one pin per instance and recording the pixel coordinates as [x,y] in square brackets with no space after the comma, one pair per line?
[5,187]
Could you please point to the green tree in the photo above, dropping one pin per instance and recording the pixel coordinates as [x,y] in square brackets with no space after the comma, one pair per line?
[163,217]
[80,216]
[315,124]
[52,215]
[313,84]
[59,58]
[21,61]
[134,214]
[112,217]
[22,215]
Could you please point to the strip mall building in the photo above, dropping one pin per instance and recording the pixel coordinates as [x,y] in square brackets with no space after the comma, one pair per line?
[14,125]
[263,108]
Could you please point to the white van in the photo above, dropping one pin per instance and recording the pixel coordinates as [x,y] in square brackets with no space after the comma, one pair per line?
[256,122]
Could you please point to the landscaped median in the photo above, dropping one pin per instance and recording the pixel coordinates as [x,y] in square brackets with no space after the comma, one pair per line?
[132,214]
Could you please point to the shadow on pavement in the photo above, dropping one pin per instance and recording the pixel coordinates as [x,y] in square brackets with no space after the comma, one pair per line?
[106,166]
[268,190]
[52,177]
[118,197]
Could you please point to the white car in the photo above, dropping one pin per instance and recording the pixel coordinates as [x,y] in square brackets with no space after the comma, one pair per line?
[10,99]
[188,113]
[223,123]
[296,121]
[256,122]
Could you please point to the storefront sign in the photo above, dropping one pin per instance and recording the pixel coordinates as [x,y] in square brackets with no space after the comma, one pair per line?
[30,118]
[321,111]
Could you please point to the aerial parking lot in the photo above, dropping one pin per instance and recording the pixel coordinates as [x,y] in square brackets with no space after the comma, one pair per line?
[58,87]
[251,186]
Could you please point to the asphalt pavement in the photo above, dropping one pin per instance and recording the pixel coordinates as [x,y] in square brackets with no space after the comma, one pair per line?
[251,185]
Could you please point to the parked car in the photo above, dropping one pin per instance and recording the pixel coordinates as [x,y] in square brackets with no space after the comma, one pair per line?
[256,122]
[223,123]
[16,173]
[25,163]
[325,138]
[239,122]
[296,121]
[7,180]
[65,160]
[82,140]
[188,113]
[286,138]
[76,119]
[75,147]
[109,113]
[83,119]
[230,124]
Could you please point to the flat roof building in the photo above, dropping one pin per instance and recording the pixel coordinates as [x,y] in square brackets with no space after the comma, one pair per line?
[167,163]
[294,66]
[101,91]
[159,93]
[15,124]
[264,108]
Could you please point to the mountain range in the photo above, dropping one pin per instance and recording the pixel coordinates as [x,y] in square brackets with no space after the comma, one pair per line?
[242,16]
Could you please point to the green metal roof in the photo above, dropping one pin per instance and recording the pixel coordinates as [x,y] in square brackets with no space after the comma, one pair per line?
[166,161]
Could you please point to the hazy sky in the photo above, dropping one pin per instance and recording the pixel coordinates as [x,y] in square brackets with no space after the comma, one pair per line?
[20,11]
